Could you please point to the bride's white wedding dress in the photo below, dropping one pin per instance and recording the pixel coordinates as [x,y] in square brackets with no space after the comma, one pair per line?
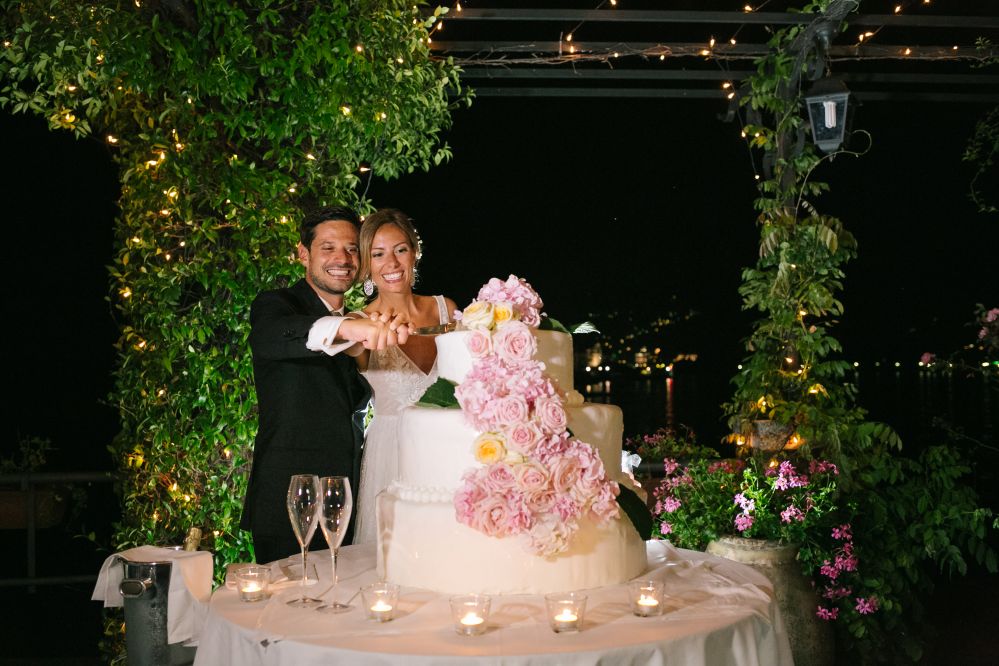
[396,383]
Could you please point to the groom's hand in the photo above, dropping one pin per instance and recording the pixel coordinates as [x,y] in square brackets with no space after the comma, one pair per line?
[379,331]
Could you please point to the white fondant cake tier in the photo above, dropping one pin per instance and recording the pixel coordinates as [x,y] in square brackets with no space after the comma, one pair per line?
[420,544]
[435,446]
[554,349]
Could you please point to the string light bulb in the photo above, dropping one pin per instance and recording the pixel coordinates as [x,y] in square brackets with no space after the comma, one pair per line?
[112,139]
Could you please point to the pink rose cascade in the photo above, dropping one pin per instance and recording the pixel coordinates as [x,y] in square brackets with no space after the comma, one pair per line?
[549,481]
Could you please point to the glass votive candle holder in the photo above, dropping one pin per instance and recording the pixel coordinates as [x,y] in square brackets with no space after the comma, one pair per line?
[646,597]
[380,600]
[231,570]
[565,611]
[470,613]
[252,581]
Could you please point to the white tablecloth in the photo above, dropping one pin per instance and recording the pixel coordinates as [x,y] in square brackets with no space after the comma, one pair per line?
[718,613]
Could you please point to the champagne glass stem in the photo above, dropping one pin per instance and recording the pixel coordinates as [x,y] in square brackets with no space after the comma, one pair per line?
[333,571]
[305,571]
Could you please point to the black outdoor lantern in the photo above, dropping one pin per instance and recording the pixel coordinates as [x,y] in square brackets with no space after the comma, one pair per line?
[827,107]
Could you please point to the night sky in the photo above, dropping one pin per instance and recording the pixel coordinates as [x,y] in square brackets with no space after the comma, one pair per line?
[602,204]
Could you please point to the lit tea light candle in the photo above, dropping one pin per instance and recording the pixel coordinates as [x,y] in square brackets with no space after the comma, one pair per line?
[647,606]
[565,611]
[380,600]
[251,581]
[646,597]
[469,613]
[471,620]
[566,621]
[382,611]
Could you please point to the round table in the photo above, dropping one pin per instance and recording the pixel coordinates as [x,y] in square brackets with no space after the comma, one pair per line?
[717,613]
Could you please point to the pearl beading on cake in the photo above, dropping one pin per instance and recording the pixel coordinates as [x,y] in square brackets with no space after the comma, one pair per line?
[422,494]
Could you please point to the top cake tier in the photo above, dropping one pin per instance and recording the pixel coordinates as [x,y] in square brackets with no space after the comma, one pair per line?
[454,361]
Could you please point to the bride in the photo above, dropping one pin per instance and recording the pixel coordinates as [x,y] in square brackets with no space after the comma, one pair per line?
[389,254]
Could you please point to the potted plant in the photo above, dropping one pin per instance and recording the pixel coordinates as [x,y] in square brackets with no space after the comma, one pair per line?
[764,514]
[50,504]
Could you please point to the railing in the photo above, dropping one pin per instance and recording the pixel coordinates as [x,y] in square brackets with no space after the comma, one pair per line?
[27,484]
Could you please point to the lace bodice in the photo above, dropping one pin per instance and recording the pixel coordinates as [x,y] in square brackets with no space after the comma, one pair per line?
[396,381]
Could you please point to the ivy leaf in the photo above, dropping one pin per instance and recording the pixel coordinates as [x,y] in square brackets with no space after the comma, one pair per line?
[440,393]
[637,511]
[584,327]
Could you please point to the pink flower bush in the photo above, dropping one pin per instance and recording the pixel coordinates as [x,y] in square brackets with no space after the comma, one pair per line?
[843,563]
[548,481]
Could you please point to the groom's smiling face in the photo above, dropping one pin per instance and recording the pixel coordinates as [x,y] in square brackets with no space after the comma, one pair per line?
[331,261]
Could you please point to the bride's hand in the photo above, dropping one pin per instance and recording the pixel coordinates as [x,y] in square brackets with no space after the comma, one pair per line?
[398,323]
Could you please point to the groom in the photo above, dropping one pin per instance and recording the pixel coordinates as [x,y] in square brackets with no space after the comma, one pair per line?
[310,403]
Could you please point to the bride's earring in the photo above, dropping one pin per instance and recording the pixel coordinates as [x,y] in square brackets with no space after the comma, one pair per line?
[368,287]
[412,283]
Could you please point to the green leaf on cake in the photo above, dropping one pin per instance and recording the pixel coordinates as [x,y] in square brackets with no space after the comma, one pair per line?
[637,511]
[549,324]
[440,393]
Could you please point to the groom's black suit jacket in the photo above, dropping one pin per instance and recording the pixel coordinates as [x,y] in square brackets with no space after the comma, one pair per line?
[309,414]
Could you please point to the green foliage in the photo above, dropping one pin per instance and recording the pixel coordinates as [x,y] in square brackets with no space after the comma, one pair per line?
[706,499]
[439,394]
[983,147]
[908,517]
[668,443]
[227,119]
[30,457]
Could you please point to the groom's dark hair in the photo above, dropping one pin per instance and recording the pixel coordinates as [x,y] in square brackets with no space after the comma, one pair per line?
[312,219]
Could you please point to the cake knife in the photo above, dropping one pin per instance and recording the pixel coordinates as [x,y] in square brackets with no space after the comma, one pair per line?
[436,329]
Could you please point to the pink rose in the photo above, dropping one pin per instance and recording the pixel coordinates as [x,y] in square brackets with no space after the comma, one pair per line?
[551,414]
[479,343]
[511,410]
[492,516]
[531,477]
[540,502]
[499,478]
[565,473]
[522,436]
[514,342]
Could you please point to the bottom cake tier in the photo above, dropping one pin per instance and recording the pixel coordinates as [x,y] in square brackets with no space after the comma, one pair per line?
[421,545]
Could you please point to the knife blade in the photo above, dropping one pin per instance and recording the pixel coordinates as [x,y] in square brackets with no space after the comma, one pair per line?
[436,329]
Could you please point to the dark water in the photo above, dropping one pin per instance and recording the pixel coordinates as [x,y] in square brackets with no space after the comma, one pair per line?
[924,407]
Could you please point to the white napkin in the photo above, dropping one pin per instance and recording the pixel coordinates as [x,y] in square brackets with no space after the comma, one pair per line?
[190,586]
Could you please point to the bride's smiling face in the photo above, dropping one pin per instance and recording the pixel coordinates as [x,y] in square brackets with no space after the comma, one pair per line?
[392,260]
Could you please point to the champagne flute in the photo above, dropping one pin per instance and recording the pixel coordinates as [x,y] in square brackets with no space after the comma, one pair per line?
[334,515]
[303,510]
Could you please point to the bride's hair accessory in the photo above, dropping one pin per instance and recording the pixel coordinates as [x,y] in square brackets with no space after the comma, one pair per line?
[368,287]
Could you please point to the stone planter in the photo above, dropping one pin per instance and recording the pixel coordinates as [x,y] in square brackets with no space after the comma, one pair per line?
[812,640]
[770,435]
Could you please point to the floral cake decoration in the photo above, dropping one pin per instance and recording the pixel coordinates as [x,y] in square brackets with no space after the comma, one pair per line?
[537,481]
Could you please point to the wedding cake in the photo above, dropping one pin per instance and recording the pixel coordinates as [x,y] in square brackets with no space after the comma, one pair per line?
[516,491]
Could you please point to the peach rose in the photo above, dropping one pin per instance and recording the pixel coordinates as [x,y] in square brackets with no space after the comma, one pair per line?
[489,448]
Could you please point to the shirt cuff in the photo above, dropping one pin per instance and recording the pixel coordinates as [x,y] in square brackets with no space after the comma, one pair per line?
[322,336]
